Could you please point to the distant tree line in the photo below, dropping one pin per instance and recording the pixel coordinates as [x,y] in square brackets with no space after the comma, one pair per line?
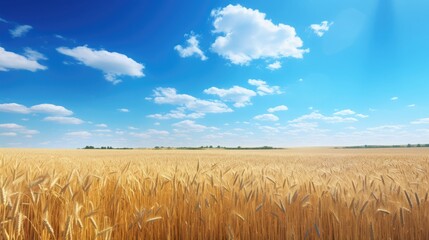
[102,147]
[217,147]
[389,146]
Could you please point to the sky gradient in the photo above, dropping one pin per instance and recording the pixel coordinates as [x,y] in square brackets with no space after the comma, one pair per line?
[230,73]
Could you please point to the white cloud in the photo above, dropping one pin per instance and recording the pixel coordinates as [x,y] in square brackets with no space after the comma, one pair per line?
[421,121]
[322,28]
[51,109]
[361,115]
[386,128]
[411,105]
[190,126]
[59,36]
[151,133]
[220,135]
[29,131]
[268,129]
[305,125]
[170,96]
[79,134]
[40,108]
[321,117]
[238,95]
[112,64]
[158,132]
[3,20]
[125,110]
[8,134]
[349,112]
[278,108]
[33,54]
[191,49]
[394,98]
[20,30]
[179,113]
[154,132]
[13,127]
[274,66]
[266,117]
[11,60]
[247,35]
[102,130]
[64,120]
[345,112]
[263,88]
[101,125]
[14,108]
[140,135]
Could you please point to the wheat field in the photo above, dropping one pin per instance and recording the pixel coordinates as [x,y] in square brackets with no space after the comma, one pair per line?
[214,194]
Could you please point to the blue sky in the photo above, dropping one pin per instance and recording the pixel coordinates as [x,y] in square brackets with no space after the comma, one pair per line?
[248,73]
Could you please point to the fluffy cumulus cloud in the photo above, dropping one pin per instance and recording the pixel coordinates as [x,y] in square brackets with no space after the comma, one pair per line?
[14,129]
[394,98]
[345,112]
[266,117]
[178,113]
[190,103]
[246,34]
[349,112]
[46,108]
[274,66]
[240,96]
[14,61]
[112,64]
[64,120]
[192,48]
[51,109]
[278,109]
[11,126]
[20,30]
[14,108]
[316,116]
[322,28]
[263,88]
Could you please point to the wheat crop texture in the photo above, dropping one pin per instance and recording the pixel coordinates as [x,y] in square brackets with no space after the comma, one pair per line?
[214,194]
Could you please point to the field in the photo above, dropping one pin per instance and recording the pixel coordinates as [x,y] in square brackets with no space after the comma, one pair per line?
[214,194]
